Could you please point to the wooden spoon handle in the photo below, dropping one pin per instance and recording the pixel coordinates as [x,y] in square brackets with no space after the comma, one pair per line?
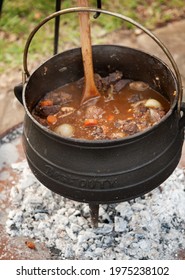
[86,43]
[90,89]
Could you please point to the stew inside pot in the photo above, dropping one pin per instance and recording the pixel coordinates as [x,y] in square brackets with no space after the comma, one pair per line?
[124,108]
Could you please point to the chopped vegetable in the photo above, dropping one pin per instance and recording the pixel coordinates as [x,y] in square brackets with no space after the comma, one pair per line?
[46,102]
[51,119]
[124,108]
[153,103]
[110,118]
[65,130]
[90,122]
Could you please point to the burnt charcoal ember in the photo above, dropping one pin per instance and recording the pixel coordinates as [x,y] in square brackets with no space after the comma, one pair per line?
[94,112]
[59,97]
[47,110]
[120,85]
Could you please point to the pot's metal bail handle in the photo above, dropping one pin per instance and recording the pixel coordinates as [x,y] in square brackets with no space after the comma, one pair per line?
[26,73]
[57,25]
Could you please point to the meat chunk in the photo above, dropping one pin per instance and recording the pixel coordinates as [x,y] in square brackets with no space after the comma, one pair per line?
[111,79]
[138,85]
[148,114]
[156,114]
[134,98]
[59,97]
[129,127]
[97,80]
[139,110]
[103,83]
[100,132]
[120,85]
[46,110]
[52,102]
[94,112]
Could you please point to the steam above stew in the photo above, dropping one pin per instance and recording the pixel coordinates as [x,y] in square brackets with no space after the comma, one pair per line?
[125,107]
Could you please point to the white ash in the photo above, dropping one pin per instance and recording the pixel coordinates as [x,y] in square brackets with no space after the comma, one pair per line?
[8,154]
[149,227]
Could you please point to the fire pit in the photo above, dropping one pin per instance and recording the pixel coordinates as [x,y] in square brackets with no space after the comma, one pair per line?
[103,171]
[60,228]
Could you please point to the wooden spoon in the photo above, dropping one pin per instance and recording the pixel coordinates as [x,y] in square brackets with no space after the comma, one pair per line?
[90,91]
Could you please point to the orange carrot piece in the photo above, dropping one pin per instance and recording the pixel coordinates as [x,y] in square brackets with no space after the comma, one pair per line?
[110,118]
[90,122]
[51,119]
[46,102]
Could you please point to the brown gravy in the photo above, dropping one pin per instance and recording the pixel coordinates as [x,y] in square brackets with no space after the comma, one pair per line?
[124,108]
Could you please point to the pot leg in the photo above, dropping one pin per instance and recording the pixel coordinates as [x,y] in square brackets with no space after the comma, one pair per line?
[94,212]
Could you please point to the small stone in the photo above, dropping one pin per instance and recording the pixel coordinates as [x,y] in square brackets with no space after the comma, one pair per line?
[75,228]
[138,206]
[144,245]
[125,210]
[98,251]
[85,246]
[70,233]
[104,229]
[69,253]
[120,224]
[86,211]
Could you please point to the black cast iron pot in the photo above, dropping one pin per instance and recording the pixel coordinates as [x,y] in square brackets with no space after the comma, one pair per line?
[104,171]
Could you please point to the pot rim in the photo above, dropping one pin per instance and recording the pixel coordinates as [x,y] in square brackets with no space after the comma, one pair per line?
[76,141]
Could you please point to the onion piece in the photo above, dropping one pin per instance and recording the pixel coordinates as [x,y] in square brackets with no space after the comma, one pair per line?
[65,130]
[153,103]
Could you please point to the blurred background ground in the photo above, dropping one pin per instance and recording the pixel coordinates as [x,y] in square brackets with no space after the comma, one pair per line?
[166,19]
